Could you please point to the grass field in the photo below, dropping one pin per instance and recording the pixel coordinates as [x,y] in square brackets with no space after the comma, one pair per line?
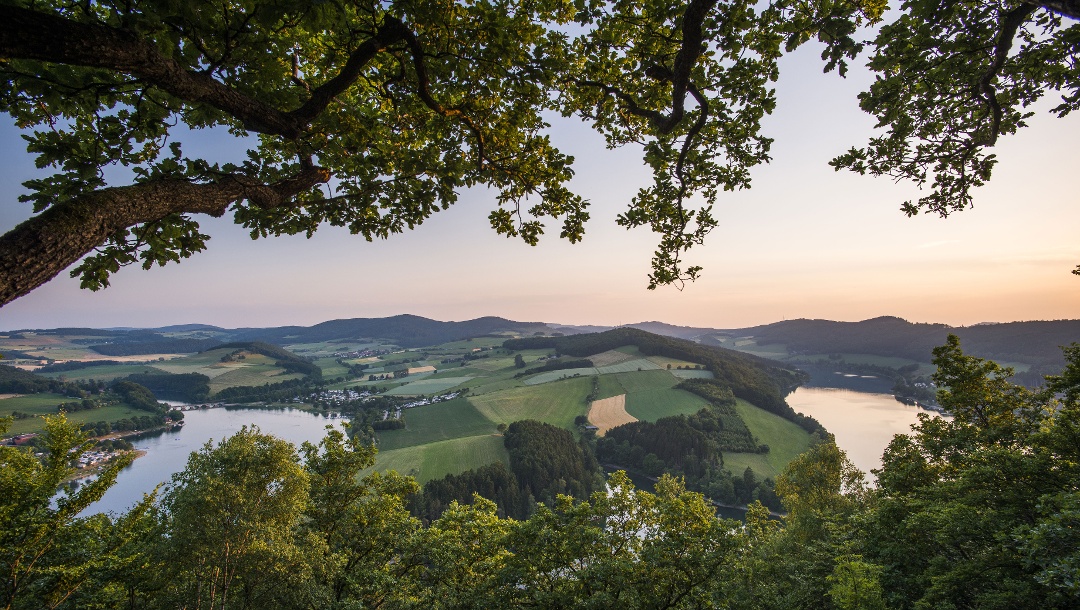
[492,364]
[252,376]
[639,364]
[609,386]
[610,357]
[664,361]
[103,373]
[550,376]
[45,404]
[785,440]
[436,460]
[438,422]
[556,403]
[428,386]
[35,404]
[330,368]
[468,344]
[651,405]
[691,374]
[646,380]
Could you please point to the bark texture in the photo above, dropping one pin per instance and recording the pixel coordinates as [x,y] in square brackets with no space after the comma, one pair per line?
[37,250]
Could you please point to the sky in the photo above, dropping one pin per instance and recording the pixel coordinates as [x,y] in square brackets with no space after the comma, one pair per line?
[803,242]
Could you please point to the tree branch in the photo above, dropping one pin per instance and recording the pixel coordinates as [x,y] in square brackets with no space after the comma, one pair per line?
[1067,8]
[423,86]
[1009,26]
[28,34]
[37,250]
[391,31]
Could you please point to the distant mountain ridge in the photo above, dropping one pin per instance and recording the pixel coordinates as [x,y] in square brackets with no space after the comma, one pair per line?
[1035,343]
[406,330]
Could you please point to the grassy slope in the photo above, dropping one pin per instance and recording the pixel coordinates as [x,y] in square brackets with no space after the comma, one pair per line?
[428,386]
[330,368]
[436,460]
[438,422]
[609,386]
[785,441]
[556,403]
[651,405]
[45,404]
[103,373]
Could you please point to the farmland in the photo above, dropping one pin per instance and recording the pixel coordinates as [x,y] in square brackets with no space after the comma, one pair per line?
[450,436]
[607,413]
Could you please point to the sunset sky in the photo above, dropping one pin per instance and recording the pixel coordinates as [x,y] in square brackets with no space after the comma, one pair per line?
[804,242]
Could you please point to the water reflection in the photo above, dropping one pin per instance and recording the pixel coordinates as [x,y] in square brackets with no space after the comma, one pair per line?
[863,423]
[167,450]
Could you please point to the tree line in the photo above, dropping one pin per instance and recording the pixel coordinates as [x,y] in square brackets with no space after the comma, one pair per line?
[977,511]
[764,383]
[544,462]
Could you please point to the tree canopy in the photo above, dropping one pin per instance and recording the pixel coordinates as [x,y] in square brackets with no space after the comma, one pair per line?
[979,510]
[373,116]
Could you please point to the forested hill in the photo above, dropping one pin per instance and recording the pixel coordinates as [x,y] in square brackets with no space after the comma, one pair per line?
[1036,343]
[757,380]
[404,330]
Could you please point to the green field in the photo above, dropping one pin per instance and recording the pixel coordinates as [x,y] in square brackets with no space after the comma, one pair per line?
[646,380]
[437,422]
[45,404]
[691,374]
[785,440]
[250,376]
[664,361]
[492,364]
[556,403]
[549,376]
[434,385]
[609,386]
[651,405]
[34,404]
[436,460]
[331,369]
[641,364]
[103,373]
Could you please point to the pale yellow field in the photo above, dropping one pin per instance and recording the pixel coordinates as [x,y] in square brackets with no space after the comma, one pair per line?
[3,396]
[610,412]
[610,357]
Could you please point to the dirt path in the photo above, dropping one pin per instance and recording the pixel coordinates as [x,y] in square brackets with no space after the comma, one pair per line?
[610,412]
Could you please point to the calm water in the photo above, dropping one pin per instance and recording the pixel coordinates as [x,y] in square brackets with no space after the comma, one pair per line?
[167,452]
[863,423]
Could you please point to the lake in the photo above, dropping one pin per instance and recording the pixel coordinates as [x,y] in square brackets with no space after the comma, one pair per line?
[864,423]
[167,452]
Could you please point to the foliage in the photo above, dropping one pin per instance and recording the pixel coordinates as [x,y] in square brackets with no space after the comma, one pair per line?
[977,511]
[558,364]
[155,344]
[373,117]
[47,552]
[547,461]
[955,78]
[761,382]
[189,387]
[964,502]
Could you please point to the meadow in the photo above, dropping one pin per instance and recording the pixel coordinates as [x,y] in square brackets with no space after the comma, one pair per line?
[785,440]
[37,405]
[437,422]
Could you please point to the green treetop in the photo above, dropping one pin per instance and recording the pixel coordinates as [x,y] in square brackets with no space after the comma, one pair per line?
[373,116]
